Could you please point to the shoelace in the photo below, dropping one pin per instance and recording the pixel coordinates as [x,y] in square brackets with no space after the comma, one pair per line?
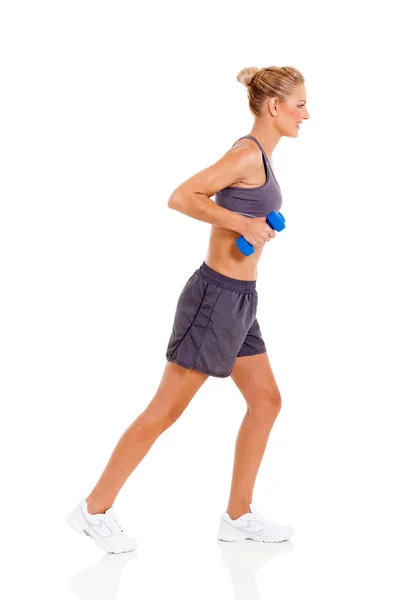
[114,524]
[261,518]
[264,520]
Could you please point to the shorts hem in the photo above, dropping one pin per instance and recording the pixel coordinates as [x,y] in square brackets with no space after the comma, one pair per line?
[190,367]
[252,353]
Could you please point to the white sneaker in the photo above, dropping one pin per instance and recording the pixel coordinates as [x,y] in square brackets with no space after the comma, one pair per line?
[103,528]
[253,526]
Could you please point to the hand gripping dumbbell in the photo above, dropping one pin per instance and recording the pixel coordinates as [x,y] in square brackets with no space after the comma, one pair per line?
[275,220]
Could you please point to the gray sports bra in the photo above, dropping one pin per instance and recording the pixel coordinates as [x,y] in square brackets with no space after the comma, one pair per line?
[253,202]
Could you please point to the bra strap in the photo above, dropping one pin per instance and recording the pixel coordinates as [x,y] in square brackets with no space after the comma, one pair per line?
[265,159]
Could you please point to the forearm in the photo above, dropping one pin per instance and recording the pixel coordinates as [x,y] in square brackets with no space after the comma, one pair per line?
[201,207]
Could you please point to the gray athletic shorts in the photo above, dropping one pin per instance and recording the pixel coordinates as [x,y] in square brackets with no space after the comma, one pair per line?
[215,322]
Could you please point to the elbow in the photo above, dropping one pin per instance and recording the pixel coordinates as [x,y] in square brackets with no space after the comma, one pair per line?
[175,201]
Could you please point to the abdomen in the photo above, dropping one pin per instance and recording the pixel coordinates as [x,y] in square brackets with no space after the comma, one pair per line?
[225,257]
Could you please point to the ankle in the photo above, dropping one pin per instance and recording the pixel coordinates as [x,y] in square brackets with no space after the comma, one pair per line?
[236,511]
[96,507]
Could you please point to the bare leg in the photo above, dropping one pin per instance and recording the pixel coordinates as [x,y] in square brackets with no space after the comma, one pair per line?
[177,387]
[254,378]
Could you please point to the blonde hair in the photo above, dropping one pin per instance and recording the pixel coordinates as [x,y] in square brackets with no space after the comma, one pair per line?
[268,82]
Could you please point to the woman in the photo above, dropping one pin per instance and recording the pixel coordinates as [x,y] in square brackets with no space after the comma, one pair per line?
[215,330]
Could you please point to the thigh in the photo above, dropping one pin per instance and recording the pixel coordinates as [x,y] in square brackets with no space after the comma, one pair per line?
[176,389]
[254,377]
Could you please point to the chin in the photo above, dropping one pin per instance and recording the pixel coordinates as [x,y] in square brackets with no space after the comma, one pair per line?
[291,133]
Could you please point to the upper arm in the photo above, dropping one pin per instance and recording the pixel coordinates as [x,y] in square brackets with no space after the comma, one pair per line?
[231,168]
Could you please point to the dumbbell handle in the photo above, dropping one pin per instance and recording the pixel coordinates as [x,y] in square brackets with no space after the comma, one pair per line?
[275,220]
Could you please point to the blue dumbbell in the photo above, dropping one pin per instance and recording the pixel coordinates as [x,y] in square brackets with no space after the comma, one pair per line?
[275,220]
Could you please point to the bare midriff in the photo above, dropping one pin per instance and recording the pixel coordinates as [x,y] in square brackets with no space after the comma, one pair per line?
[224,256]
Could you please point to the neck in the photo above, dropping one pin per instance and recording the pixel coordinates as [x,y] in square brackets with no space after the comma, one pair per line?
[267,135]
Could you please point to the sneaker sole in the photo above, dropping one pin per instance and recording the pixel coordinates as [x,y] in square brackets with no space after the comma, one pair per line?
[228,533]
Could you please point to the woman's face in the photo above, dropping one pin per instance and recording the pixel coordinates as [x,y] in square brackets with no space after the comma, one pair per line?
[292,112]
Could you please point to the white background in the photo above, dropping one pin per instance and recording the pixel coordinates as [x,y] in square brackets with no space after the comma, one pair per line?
[105,108]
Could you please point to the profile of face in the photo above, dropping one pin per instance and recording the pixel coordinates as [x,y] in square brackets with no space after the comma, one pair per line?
[291,113]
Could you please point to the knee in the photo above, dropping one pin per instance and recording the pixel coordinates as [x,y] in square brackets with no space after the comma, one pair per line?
[266,402]
[151,421]
[171,416]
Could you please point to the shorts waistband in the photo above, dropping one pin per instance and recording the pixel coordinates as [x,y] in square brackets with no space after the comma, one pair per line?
[243,286]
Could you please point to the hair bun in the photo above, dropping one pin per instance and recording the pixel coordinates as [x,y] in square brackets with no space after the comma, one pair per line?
[246,76]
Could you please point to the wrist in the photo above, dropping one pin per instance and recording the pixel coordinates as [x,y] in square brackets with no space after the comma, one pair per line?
[238,223]
[243,223]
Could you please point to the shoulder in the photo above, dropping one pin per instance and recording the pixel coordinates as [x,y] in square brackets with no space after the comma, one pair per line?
[240,161]
[247,153]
